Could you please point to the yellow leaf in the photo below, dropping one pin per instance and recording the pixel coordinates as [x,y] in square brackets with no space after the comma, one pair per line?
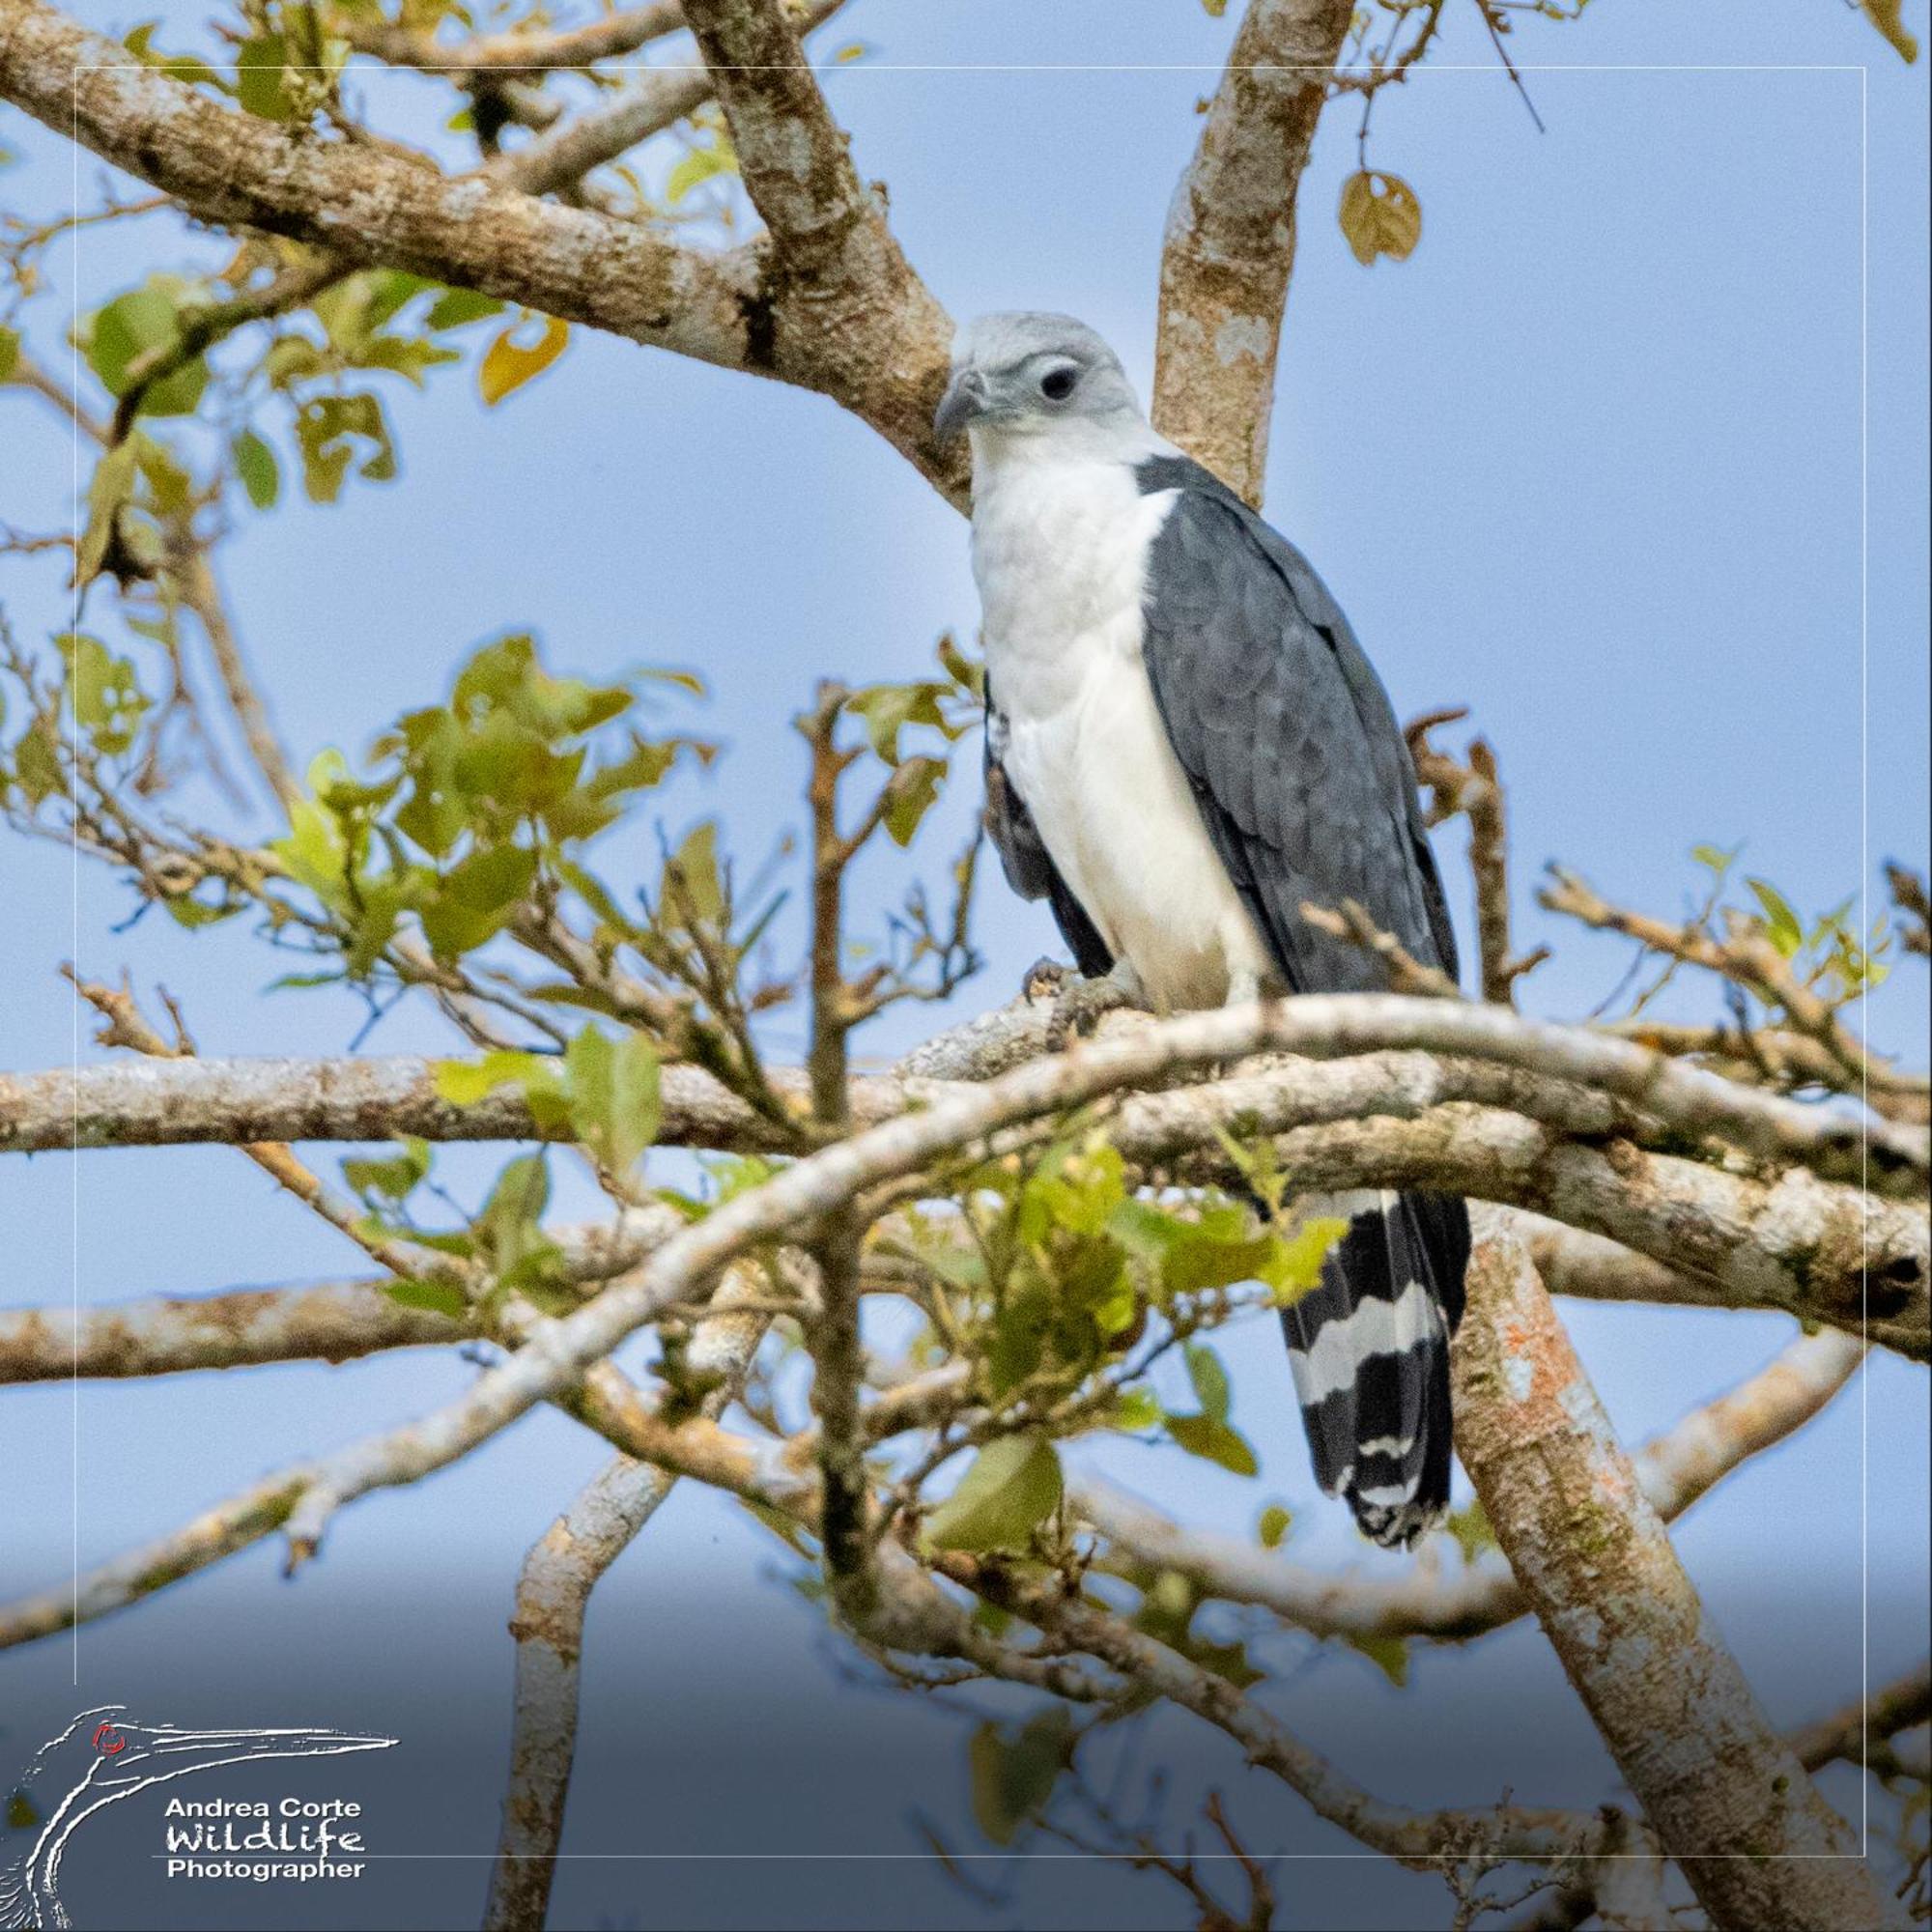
[1888,17]
[1380,215]
[508,364]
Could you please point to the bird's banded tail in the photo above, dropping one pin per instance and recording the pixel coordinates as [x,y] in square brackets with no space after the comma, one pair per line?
[1369,1353]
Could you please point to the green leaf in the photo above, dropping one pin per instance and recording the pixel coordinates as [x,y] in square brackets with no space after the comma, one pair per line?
[20,1813]
[1785,930]
[256,465]
[1293,1266]
[692,870]
[439,1298]
[1715,859]
[614,1089]
[188,67]
[458,308]
[1388,1654]
[394,1177]
[1011,1486]
[261,79]
[103,693]
[886,709]
[193,914]
[146,323]
[1276,1523]
[1013,1777]
[516,1205]
[1470,1527]
[1212,1440]
[909,797]
[464,1082]
[9,350]
[508,364]
[332,430]
[1380,215]
[1209,1379]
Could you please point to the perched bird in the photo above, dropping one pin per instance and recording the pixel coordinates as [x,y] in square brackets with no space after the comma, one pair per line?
[1184,745]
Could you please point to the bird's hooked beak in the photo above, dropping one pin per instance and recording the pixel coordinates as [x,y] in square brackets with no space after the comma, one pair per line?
[965,401]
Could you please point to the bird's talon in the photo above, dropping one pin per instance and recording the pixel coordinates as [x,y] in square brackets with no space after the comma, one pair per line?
[1044,978]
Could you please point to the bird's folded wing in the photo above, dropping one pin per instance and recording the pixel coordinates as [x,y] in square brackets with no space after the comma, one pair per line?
[1300,771]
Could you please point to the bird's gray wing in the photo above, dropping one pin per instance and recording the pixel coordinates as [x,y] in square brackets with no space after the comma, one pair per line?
[1024,858]
[1302,774]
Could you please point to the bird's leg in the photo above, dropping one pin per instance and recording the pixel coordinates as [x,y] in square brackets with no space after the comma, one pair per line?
[1076,1007]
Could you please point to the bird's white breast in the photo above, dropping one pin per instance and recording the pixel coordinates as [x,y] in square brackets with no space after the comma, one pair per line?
[1060,550]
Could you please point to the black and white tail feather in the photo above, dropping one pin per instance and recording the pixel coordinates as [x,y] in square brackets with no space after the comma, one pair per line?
[1369,1350]
[1302,783]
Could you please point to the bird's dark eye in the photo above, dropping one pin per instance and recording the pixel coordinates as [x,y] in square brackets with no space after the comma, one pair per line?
[1057,384]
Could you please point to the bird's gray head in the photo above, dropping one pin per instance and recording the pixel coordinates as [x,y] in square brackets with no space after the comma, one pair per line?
[1026,374]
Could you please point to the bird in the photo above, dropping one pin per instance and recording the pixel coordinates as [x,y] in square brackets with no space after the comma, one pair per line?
[104,1756]
[1184,745]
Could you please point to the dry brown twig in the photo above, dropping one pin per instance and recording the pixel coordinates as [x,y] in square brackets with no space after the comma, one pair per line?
[1476,791]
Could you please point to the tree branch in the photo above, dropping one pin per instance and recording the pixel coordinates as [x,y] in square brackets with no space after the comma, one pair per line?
[843,314]
[1726,1795]
[1229,242]
[843,302]
[1456,1604]
[569,151]
[328,1321]
[563,1567]
[524,50]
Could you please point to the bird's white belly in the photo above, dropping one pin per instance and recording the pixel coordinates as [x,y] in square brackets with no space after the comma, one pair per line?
[1087,750]
[1116,811]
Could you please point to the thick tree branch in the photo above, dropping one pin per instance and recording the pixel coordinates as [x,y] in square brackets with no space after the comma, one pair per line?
[327,1321]
[367,206]
[843,314]
[563,1569]
[1830,1253]
[126,1105]
[565,154]
[1725,1794]
[1229,242]
[843,299]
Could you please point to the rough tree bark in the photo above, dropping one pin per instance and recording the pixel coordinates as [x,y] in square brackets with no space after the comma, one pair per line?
[1230,245]
[1594,1560]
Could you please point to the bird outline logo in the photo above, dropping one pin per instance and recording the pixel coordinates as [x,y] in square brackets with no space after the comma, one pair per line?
[81,1771]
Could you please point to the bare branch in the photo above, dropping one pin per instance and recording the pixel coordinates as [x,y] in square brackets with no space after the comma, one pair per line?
[842,299]
[1863,1731]
[1673,1708]
[327,1321]
[524,50]
[1411,1837]
[1465,1601]
[563,1569]
[1229,242]
[1476,790]
[364,1100]
[571,148]
[842,313]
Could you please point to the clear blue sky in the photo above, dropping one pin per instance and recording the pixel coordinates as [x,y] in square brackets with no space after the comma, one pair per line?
[1592,463]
